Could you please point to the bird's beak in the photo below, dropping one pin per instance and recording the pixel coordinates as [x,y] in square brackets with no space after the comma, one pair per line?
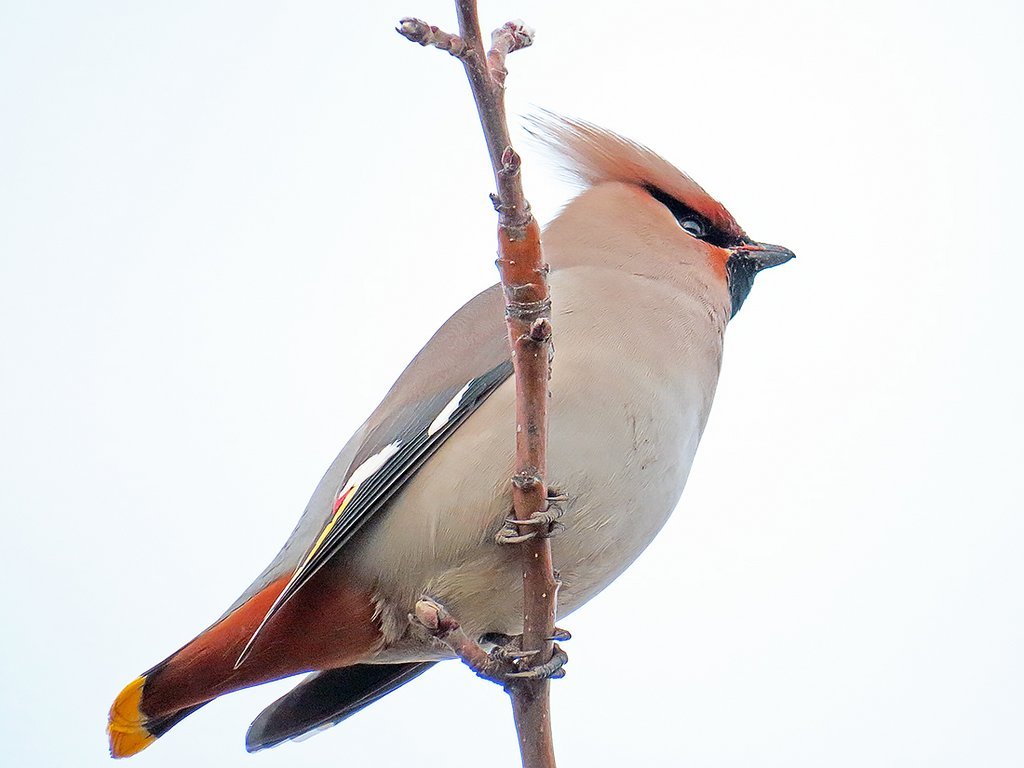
[764,255]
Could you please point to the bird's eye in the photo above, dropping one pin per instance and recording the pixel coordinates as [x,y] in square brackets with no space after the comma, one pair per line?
[694,226]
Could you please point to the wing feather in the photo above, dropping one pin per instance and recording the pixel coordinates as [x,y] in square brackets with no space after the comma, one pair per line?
[376,480]
[325,699]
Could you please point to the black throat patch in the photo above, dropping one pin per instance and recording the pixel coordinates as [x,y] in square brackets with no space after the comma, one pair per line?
[740,271]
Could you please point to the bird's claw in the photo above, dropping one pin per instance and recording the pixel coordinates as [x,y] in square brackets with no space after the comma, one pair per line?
[560,635]
[507,662]
[510,535]
[551,670]
[546,522]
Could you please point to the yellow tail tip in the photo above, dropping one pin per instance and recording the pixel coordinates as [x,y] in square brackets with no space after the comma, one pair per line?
[127,725]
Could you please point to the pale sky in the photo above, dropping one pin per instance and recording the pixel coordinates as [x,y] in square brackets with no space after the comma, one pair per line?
[222,231]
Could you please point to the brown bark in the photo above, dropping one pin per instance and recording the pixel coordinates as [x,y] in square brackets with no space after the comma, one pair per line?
[528,311]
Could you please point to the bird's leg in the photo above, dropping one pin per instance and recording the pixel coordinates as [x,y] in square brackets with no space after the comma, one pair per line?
[546,522]
[505,664]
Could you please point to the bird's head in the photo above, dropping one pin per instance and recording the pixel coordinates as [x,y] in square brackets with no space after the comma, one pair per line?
[637,204]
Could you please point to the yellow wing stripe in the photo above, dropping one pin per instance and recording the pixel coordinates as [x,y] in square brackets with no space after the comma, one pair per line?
[339,509]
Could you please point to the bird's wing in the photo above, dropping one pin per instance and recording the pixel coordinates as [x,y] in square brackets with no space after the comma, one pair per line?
[326,698]
[465,361]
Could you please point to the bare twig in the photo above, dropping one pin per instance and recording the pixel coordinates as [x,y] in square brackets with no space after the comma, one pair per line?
[426,34]
[528,311]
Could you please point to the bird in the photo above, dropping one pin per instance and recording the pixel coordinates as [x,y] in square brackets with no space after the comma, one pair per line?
[646,271]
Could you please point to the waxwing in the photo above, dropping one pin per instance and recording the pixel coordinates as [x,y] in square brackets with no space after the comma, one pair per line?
[646,271]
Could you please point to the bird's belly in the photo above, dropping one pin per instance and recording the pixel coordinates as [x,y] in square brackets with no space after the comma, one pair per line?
[622,460]
[615,507]
[623,433]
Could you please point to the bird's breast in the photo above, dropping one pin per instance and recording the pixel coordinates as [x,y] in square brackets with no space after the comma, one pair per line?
[635,368]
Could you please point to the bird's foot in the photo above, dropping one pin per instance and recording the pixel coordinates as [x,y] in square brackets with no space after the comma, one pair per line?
[551,670]
[544,523]
[505,665]
[508,661]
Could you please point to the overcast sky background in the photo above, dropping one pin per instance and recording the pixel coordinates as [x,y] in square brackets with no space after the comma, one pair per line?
[221,226]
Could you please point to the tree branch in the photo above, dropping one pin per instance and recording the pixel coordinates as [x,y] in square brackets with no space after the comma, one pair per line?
[528,312]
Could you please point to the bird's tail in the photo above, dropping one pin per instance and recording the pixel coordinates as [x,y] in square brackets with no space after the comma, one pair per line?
[329,625]
[129,729]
